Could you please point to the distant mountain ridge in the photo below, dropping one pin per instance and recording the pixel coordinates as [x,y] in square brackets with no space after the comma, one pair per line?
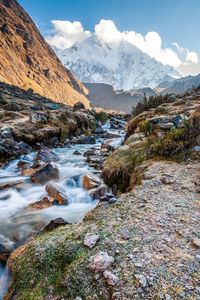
[105,96]
[26,60]
[180,85]
[122,64]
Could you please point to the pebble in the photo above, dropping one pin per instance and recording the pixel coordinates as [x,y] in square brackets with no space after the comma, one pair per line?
[142,280]
[110,278]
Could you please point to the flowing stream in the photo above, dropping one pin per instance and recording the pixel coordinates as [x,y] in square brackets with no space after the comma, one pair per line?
[17,222]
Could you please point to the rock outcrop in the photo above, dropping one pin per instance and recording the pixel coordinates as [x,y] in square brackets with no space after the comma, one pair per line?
[26,60]
[29,120]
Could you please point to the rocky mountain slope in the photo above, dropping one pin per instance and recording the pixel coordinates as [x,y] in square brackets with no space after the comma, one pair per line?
[28,120]
[146,244]
[26,60]
[106,97]
[119,64]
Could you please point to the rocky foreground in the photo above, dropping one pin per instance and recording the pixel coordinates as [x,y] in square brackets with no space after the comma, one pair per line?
[146,244]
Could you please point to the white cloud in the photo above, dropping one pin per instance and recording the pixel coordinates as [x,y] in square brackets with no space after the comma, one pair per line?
[66,33]
[191,57]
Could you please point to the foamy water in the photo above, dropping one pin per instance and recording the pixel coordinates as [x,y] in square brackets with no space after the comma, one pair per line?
[16,222]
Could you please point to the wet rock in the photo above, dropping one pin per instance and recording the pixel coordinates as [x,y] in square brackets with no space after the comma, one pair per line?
[10,149]
[91,240]
[23,165]
[55,224]
[37,118]
[110,278]
[4,253]
[89,153]
[52,142]
[46,155]
[79,105]
[27,172]
[90,181]
[77,152]
[45,173]
[99,130]
[10,185]
[98,192]
[100,262]
[87,140]
[108,135]
[108,198]
[42,204]
[57,195]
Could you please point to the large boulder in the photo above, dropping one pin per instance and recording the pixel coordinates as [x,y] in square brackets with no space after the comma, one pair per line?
[46,155]
[90,181]
[100,262]
[84,140]
[45,202]
[56,194]
[98,192]
[55,224]
[44,173]
[78,105]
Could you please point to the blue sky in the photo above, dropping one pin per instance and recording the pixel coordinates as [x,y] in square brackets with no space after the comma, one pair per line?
[175,20]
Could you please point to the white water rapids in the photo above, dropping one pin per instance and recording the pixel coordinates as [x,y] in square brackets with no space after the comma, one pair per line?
[16,222]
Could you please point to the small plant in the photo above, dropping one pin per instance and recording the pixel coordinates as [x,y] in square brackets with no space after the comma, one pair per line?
[151,102]
[101,116]
[146,127]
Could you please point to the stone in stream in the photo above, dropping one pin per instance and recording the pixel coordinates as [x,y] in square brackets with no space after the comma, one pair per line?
[84,140]
[98,192]
[45,202]
[91,239]
[46,155]
[100,262]
[55,224]
[45,173]
[110,198]
[23,165]
[90,181]
[10,185]
[77,152]
[56,194]
[4,253]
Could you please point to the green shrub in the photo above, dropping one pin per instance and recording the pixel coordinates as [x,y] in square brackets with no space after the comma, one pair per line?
[147,103]
[146,127]
[174,144]
[101,116]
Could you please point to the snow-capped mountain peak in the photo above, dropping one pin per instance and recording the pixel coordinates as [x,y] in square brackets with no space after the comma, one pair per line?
[120,64]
